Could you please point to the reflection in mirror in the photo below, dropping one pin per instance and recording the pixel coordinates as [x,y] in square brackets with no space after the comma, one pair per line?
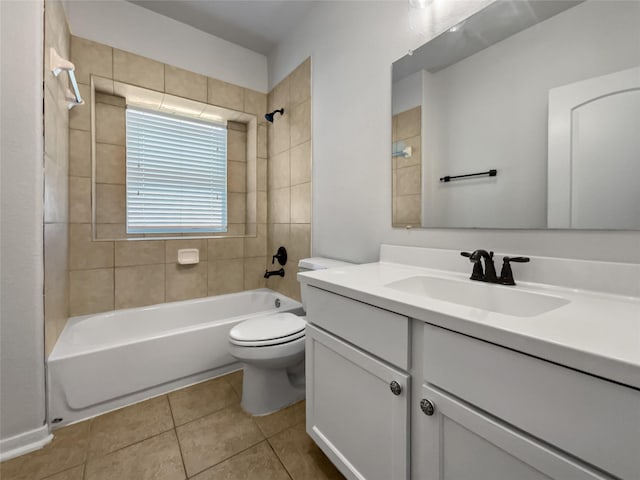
[545,96]
[167,166]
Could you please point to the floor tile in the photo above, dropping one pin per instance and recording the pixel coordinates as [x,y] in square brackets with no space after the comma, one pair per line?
[129,425]
[216,437]
[281,420]
[302,458]
[256,463]
[156,458]
[72,474]
[235,379]
[67,449]
[201,399]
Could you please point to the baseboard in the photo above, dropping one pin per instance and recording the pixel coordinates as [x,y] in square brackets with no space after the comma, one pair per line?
[24,443]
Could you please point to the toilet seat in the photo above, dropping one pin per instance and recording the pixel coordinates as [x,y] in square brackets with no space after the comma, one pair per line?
[269,330]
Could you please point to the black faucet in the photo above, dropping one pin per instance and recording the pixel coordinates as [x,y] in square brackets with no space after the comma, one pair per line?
[489,273]
[506,275]
[271,273]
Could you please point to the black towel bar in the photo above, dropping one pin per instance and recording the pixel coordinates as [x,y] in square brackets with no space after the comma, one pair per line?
[490,173]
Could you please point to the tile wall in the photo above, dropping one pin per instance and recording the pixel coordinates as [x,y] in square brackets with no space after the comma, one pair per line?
[289,175]
[56,161]
[106,275]
[407,172]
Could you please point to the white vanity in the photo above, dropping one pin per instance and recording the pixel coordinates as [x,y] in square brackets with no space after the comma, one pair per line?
[534,381]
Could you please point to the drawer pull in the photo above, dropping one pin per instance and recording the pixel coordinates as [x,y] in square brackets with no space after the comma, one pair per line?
[427,407]
[395,387]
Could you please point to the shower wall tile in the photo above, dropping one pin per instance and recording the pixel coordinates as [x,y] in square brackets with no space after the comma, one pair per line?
[225,248]
[225,94]
[138,252]
[79,200]
[256,246]
[262,141]
[85,254]
[172,247]
[300,86]
[279,205]
[137,70]
[110,163]
[301,203]
[261,174]
[90,291]
[254,272]
[56,301]
[112,201]
[407,172]
[237,145]
[255,103]
[185,281]
[184,83]
[236,207]
[301,163]
[278,173]
[80,116]
[79,153]
[300,240]
[236,176]
[56,188]
[91,58]
[225,276]
[110,124]
[301,123]
[139,286]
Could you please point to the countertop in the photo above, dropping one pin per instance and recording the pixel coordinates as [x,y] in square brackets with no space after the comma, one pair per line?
[596,333]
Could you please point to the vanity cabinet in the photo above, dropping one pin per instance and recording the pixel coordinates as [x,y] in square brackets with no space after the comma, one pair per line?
[357,403]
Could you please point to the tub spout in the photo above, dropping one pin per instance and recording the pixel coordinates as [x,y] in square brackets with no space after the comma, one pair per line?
[279,273]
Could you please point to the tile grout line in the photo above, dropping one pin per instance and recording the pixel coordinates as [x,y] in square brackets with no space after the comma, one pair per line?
[279,459]
[175,432]
[227,458]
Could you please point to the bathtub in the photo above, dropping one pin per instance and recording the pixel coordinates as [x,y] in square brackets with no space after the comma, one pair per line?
[108,360]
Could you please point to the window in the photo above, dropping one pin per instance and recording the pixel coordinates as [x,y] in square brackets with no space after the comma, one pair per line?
[176,174]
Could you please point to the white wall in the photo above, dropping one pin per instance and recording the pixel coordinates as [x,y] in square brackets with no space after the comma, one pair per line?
[22,394]
[407,93]
[135,29]
[353,45]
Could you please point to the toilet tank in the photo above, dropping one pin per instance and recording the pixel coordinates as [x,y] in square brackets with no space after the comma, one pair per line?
[317,263]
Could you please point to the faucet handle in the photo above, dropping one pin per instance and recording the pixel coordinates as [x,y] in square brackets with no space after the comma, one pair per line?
[478,272]
[506,275]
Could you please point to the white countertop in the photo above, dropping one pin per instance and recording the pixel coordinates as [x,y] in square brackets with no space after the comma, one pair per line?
[596,333]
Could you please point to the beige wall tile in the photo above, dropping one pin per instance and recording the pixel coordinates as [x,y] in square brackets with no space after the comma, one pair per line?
[279,235]
[261,174]
[137,70]
[225,276]
[172,247]
[79,200]
[237,207]
[185,281]
[300,87]
[225,248]
[109,99]
[301,203]
[261,207]
[225,94]
[279,96]
[110,124]
[278,171]
[408,210]
[251,208]
[278,134]
[300,245]
[254,269]
[79,153]
[56,282]
[262,141]
[91,58]
[139,286]
[255,103]
[84,253]
[301,123]
[236,176]
[408,123]
[80,116]
[279,205]
[56,190]
[408,180]
[110,203]
[90,291]
[156,458]
[301,163]
[139,252]
[256,246]
[185,83]
[111,230]
[111,164]
[237,145]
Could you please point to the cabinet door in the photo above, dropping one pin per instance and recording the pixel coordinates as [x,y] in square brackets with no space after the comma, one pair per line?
[352,412]
[462,443]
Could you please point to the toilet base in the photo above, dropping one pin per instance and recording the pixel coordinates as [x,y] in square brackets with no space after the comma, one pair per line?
[267,390]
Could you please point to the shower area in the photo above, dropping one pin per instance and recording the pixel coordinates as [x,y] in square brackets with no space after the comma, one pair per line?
[125,298]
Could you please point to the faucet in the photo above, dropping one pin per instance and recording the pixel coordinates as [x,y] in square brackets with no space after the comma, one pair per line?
[270,273]
[489,272]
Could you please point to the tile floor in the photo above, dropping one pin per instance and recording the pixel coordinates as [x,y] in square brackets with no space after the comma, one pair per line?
[199,432]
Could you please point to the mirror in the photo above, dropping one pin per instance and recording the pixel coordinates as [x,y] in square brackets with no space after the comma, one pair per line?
[159,161]
[525,115]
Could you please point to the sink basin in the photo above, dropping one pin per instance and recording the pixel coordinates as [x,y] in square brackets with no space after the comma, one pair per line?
[485,296]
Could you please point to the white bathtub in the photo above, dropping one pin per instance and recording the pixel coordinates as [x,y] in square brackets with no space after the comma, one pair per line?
[105,361]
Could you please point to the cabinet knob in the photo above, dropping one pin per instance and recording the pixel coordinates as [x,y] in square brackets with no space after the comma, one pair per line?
[427,407]
[395,387]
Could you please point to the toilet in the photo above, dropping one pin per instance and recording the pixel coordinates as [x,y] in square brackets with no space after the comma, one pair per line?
[272,351]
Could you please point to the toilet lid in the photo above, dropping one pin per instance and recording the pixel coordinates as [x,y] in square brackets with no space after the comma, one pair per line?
[268,330]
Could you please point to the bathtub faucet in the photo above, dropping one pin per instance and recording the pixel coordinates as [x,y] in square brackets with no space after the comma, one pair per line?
[279,273]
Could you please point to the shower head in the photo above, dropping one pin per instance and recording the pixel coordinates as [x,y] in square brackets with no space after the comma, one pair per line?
[269,116]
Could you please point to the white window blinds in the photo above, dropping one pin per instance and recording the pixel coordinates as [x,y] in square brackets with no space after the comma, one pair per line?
[176,174]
